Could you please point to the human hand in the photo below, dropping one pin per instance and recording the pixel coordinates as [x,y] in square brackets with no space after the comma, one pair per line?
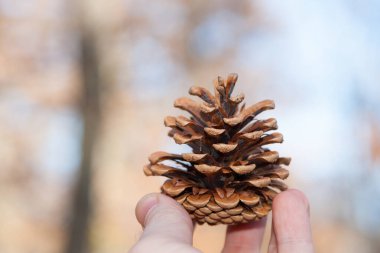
[168,228]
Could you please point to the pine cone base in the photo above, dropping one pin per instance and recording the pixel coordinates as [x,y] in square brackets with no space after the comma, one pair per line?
[209,211]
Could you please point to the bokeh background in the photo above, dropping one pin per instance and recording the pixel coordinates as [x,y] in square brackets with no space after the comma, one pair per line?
[85,85]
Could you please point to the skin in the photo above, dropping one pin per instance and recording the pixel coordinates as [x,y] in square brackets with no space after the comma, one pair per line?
[168,228]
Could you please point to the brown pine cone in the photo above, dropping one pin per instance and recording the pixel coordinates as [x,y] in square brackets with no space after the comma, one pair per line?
[230,177]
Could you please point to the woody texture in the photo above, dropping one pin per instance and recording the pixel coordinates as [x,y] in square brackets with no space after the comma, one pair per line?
[231,176]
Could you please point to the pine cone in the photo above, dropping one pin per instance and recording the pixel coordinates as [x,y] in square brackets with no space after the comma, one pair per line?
[230,177]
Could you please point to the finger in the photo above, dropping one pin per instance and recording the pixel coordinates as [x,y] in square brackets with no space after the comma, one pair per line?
[291,222]
[164,219]
[244,237]
[272,247]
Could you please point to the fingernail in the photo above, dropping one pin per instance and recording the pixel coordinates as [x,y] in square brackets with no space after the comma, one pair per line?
[151,198]
[145,206]
[150,202]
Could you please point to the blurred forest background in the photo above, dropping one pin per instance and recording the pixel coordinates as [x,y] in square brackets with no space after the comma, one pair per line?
[85,85]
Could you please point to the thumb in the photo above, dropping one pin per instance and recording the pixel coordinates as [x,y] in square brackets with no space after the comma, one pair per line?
[164,219]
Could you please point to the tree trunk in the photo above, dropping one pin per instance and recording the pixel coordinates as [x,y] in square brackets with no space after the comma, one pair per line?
[78,230]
